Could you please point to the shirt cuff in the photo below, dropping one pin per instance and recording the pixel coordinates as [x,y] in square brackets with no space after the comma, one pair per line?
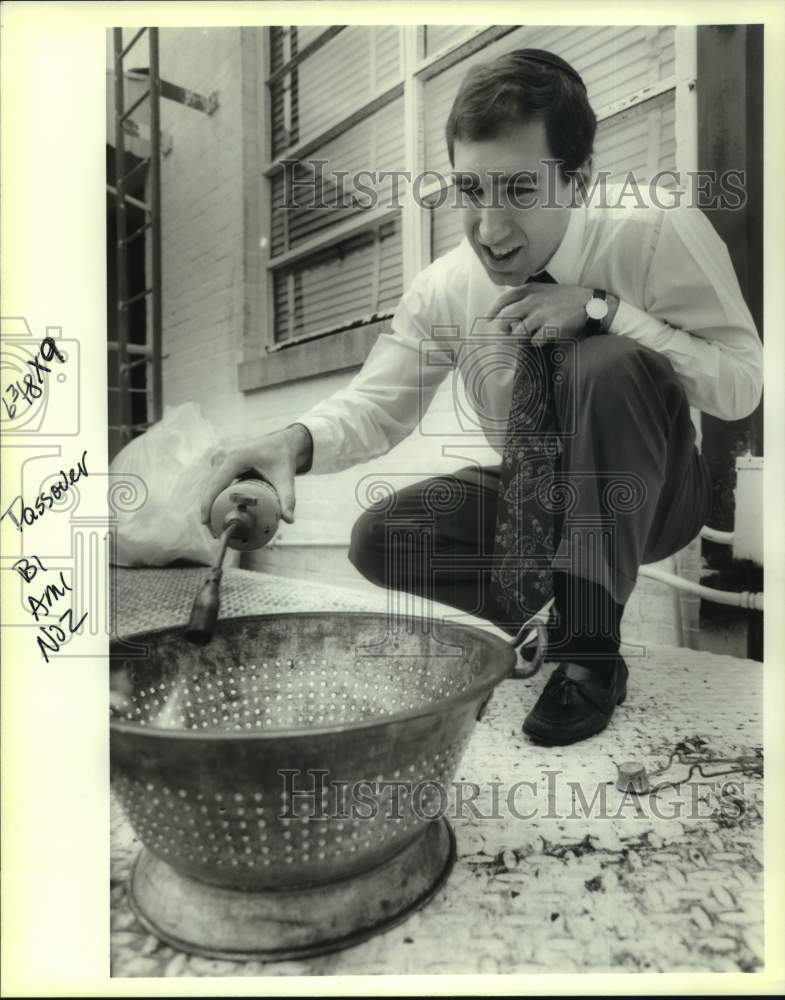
[629,321]
[324,458]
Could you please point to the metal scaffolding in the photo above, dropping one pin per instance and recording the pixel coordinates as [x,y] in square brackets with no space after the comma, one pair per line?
[131,354]
[151,354]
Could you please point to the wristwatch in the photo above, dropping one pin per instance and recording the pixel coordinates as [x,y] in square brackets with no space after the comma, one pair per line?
[596,311]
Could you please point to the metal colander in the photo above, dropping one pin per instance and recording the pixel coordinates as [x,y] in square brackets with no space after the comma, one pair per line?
[294,749]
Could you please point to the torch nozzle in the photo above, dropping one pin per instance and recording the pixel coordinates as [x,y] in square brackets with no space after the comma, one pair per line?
[204,613]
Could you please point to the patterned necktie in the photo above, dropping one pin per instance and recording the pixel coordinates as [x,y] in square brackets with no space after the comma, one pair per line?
[526,529]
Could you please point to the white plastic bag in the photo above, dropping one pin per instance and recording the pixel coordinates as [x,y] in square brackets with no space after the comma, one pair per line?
[173,460]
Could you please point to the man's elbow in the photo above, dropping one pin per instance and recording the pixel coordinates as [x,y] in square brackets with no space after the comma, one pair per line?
[746,395]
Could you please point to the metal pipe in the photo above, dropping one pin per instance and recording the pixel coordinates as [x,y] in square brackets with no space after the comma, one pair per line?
[142,164]
[130,199]
[121,315]
[722,537]
[135,298]
[131,44]
[127,114]
[745,599]
[144,359]
[226,534]
[155,205]
[311,543]
[136,233]
[131,348]
[678,617]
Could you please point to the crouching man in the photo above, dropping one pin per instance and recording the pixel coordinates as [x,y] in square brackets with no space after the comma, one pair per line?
[593,326]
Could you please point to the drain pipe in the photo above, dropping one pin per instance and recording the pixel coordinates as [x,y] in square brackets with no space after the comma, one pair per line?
[744,599]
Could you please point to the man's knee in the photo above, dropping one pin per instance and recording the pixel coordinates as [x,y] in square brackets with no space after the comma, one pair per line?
[366,549]
[605,366]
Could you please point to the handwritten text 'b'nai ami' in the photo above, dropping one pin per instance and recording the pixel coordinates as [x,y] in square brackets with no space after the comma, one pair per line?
[50,637]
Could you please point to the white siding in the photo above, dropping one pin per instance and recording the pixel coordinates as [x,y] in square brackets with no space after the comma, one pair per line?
[614,62]
[344,74]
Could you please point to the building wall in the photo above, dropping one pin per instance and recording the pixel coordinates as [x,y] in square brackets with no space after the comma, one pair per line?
[202,212]
[207,223]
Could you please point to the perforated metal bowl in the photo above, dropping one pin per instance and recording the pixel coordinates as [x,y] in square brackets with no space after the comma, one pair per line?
[295,749]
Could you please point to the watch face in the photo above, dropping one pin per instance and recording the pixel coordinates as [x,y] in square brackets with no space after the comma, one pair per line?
[596,308]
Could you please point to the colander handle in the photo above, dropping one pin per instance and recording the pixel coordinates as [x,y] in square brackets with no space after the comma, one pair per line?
[484,705]
[530,649]
[531,644]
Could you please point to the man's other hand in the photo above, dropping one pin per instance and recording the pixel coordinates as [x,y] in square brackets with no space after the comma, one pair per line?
[530,309]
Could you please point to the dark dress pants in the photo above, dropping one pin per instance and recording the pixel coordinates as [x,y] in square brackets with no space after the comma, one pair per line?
[636,490]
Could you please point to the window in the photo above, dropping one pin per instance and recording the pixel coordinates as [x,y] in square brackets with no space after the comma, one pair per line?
[333,264]
[377,98]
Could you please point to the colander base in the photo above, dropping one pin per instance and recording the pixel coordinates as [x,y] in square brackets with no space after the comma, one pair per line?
[294,923]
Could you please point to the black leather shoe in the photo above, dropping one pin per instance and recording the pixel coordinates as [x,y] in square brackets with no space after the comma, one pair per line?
[576,703]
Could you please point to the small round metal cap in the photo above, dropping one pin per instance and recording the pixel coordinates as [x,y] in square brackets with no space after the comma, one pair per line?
[254,504]
[632,777]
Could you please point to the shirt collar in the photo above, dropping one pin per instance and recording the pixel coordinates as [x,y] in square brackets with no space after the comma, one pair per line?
[563,264]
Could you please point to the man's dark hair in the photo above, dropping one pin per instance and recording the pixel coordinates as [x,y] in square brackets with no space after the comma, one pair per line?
[521,86]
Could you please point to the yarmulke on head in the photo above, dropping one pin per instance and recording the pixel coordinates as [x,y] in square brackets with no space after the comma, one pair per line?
[546,58]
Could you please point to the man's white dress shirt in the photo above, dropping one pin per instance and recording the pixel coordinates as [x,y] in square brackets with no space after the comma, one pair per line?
[678,295]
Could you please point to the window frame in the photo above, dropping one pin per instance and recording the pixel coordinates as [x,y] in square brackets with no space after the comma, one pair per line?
[267,362]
